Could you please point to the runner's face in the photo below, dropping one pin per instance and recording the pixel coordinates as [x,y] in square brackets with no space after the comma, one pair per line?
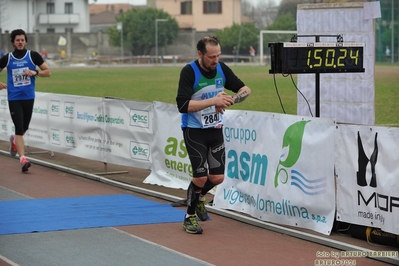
[19,42]
[210,59]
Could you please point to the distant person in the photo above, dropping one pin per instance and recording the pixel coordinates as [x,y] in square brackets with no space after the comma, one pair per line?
[21,73]
[94,57]
[252,53]
[1,52]
[44,54]
[234,52]
[387,53]
[201,100]
[62,54]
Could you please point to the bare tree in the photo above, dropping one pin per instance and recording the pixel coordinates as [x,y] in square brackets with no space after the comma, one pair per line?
[262,14]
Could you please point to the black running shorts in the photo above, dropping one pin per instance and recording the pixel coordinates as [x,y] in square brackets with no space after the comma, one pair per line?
[206,149]
[21,114]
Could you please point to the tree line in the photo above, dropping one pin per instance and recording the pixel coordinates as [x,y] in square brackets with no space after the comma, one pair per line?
[139,29]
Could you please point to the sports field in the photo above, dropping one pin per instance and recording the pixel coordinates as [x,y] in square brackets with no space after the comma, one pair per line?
[157,83]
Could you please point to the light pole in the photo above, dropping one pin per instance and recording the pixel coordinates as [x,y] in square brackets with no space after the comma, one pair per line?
[156,36]
[119,27]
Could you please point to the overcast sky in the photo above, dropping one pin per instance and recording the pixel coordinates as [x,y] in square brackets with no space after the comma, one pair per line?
[143,2]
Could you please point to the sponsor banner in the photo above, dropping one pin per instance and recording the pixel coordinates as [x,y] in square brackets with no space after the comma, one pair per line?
[107,130]
[128,132]
[6,124]
[171,166]
[279,168]
[367,176]
[68,124]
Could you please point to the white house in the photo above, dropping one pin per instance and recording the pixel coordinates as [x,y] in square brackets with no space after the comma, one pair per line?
[51,16]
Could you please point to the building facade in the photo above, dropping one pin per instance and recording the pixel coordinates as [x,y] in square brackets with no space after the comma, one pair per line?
[84,26]
[45,16]
[201,15]
[60,16]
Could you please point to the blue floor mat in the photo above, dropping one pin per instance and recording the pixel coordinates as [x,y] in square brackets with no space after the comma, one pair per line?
[44,215]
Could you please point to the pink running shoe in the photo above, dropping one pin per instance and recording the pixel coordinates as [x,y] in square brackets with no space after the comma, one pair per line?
[25,164]
[13,147]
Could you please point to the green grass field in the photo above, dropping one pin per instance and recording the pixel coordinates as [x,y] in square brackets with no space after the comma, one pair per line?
[150,84]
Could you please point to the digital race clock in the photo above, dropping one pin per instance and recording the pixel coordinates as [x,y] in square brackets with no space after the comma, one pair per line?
[316,57]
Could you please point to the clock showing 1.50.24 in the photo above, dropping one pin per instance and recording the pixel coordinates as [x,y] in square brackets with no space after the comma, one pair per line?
[317,57]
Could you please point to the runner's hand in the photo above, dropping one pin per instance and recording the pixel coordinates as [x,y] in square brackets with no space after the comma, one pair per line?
[223,100]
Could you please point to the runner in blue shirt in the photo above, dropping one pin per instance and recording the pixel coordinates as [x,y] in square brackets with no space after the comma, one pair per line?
[23,66]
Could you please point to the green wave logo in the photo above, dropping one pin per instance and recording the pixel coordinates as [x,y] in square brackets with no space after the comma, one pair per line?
[292,140]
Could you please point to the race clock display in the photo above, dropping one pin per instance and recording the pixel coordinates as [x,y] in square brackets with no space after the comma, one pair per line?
[317,57]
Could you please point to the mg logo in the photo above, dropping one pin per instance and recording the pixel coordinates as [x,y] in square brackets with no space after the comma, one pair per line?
[139,118]
[69,109]
[3,102]
[139,151]
[55,137]
[70,139]
[55,108]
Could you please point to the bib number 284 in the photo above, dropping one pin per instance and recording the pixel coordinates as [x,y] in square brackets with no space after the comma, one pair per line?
[210,120]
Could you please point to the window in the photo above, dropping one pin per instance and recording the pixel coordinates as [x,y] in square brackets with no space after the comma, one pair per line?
[50,30]
[50,8]
[212,7]
[186,8]
[68,8]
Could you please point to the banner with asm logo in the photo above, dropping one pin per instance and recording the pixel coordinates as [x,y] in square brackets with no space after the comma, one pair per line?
[170,166]
[279,168]
[367,171]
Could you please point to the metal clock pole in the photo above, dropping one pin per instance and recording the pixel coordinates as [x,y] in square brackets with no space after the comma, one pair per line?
[317,84]
[317,74]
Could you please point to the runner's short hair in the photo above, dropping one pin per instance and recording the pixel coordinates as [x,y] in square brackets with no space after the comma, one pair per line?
[201,45]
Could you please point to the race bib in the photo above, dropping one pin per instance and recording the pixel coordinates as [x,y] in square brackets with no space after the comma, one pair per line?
[18,77]
[209,117]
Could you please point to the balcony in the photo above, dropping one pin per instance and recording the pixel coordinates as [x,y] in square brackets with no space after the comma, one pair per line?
[45,19]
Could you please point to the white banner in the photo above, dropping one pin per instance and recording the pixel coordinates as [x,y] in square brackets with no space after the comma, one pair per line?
[279,168]
[367,168]
[128,131]
[171,166]
[107,130]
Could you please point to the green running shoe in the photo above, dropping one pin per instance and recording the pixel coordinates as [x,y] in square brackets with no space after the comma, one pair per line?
[201,210]
[191,225]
